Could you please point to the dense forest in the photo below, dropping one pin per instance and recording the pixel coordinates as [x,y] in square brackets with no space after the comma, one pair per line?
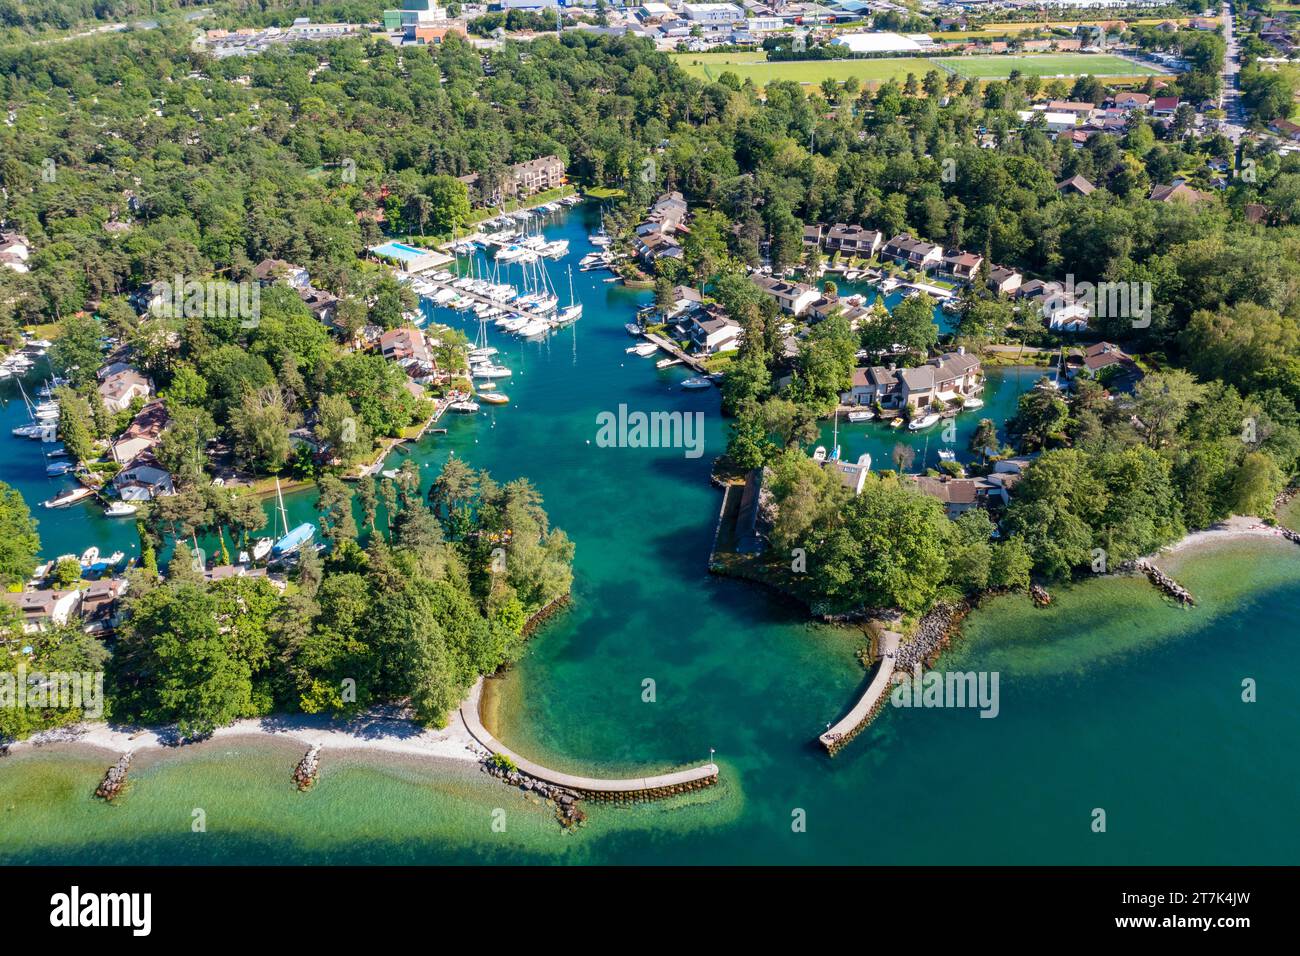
[411,604]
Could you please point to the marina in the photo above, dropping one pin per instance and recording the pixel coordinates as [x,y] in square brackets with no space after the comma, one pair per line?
[749,676]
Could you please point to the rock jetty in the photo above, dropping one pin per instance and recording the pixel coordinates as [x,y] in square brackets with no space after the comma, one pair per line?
[567,810]
[931,636]
[115,780]
[1164,582]
[304,775]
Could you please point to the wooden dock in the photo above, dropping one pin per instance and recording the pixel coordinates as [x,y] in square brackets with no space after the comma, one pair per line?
[675,352]
[514,310]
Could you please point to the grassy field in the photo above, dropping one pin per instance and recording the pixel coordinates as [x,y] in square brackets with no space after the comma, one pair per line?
[754,66]
[1044,64]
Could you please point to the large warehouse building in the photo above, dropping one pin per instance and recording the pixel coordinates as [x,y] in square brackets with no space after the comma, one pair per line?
[882,42]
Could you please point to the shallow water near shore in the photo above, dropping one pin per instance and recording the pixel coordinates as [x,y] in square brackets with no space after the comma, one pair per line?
[1113,698]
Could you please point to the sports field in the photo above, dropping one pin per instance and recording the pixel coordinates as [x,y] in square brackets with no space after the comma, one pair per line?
[754,66]
[1043,64]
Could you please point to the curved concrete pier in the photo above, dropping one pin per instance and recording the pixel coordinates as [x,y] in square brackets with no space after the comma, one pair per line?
[852,723]
[662,785]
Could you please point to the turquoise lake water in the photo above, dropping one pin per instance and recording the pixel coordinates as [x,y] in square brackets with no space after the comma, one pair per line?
[1113,698]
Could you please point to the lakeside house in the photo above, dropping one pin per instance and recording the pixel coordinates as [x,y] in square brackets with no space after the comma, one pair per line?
[1004,281]
[914,253]
[142,434]
[667,213]
[118,389]
[101,605]
[655,246]
[143,479]
[793,298]
[963,265]
[684,298]
[1108,362]
[959,495]
[949,379]
[852,474]
[712,332]
[518,181]
[656,235]
[854,240]
[41,610]
[1061,316]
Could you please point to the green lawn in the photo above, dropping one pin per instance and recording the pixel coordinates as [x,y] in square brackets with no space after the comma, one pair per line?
[754,66]
[1044,64]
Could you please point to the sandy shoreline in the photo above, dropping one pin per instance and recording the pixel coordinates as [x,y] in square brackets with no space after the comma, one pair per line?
[1236,528]
[378,732]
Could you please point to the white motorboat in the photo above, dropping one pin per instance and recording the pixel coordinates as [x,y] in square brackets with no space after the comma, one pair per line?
[490,371]
[925,421]
[645,349]
[947,454]
[861,415]
[262,547]
[535,327]
[90,555]
[972,403]
[464,406]
[65,498]
[633,328]
[121,509]
[697,381]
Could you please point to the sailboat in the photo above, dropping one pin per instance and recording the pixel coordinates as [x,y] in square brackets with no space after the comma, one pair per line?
[573,311]
[292,541]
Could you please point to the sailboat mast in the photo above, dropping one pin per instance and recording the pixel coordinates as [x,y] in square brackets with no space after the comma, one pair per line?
[284,517]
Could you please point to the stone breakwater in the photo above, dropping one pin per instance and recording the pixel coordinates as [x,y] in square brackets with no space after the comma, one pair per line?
[1161,580]
[567,810]
[115,780]
[932,636]
[628,790]
[304,775]
[545,614]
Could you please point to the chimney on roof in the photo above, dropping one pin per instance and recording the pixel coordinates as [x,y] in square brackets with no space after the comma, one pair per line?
[961,350]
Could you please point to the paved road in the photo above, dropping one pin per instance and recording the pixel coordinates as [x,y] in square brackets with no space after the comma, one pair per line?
[1234,111]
